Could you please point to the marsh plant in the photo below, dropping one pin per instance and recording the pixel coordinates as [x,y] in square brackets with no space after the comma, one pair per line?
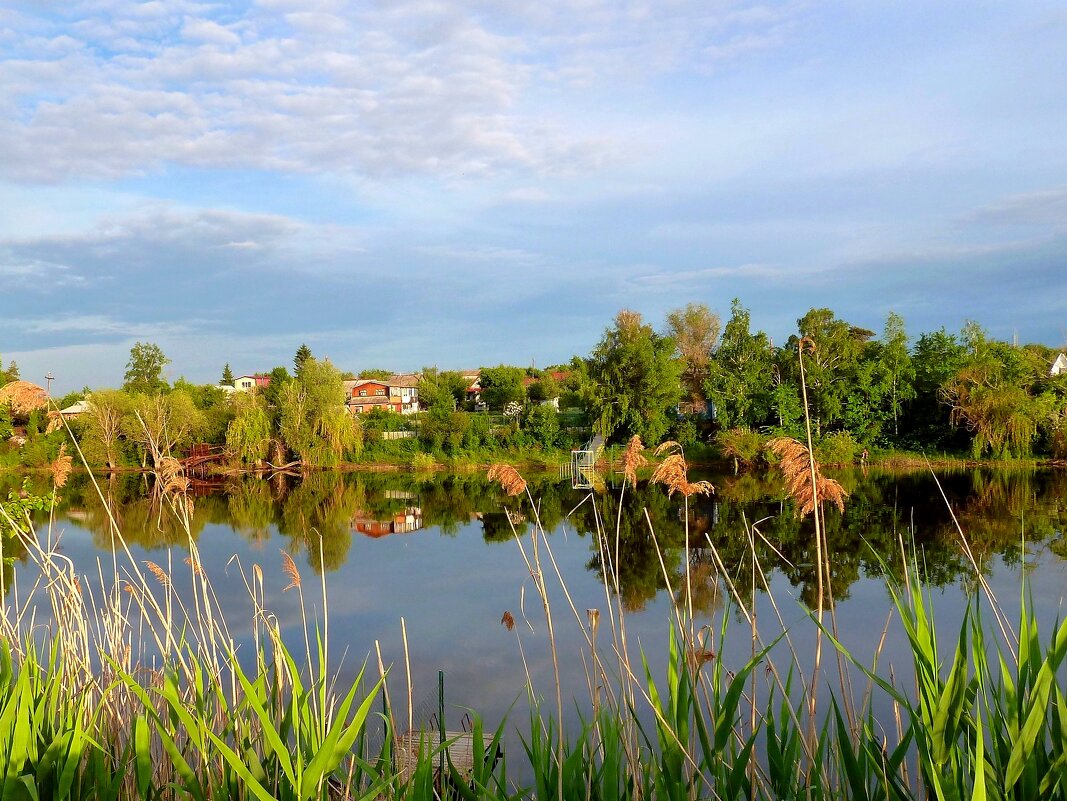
[132,684]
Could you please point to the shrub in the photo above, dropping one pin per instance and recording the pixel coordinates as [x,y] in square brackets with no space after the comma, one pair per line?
[423,461]
[743,445]
[837,448]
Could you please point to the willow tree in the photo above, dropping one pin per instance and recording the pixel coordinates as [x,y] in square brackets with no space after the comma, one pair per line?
[313,420]
[249,434]
[990,395]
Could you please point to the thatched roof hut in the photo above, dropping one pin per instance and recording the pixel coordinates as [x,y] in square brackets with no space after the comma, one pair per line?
[22,398]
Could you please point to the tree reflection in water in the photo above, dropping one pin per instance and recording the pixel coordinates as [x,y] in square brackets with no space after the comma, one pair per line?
[319,515]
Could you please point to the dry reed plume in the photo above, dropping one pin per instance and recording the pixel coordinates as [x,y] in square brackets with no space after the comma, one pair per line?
[797,466]
[508,621]
[61,467]
[633,459]
[22,397]
[161,575]
[508,478]
[289,566]
[673,472]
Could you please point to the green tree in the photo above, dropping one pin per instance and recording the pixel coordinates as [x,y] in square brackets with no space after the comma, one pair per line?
[897,367]
[937,358]
[741,377]
[441,388]
[303,353]
[227,375]
[502,385]
[377,373]
[10,374]
[542,423]
[272,393]
[831,367]
[144,370]
[631,382]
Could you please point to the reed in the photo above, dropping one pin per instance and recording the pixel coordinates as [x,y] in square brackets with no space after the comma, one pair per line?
[131,686]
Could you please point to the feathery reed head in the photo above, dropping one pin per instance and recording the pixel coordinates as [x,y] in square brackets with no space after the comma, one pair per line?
[22,397]
[61,467]
[633,459]
[55,422]
[194,563]
[508,478]
[289,566]
[668,445]
[171,475]
[797,465]
[673,473]
[158,572]
[508,621]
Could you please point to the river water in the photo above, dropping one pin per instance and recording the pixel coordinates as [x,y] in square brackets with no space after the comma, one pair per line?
[443,554]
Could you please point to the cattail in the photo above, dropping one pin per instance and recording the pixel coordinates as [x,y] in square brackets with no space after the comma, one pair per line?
[796,465]
[633,459]
[508,478]
[508,621]
[289,566]
[158,572]
[61,467]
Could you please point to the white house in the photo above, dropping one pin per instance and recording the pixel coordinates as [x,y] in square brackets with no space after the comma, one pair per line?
[1059,367]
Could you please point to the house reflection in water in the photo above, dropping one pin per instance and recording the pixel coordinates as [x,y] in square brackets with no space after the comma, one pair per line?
[400,523]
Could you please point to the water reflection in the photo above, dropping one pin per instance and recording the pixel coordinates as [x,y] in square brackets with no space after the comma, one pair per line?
[318,517]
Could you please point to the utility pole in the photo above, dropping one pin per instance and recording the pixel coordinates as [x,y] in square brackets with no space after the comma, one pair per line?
[49,378]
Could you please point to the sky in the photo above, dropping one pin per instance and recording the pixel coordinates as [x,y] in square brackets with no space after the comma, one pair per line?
[469,182]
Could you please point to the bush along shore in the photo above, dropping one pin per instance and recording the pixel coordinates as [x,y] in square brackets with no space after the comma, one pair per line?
[123,687]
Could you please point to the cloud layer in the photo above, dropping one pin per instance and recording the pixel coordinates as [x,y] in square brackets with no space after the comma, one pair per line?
[408,183]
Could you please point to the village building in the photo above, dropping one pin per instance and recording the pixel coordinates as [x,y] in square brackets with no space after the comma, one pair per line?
[248,383]
[1059,367]
[398,393]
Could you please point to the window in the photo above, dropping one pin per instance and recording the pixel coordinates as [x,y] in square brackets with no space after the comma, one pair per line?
[379,392]
[362,394]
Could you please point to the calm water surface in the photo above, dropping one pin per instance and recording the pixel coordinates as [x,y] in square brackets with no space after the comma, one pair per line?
[439,552]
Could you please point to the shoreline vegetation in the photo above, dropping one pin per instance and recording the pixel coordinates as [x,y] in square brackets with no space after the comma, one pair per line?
[132,690]
[721,390]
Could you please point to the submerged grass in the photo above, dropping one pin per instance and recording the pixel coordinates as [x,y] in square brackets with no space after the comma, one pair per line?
[122,687]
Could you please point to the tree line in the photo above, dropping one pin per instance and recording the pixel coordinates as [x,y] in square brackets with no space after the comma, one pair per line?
[693,379]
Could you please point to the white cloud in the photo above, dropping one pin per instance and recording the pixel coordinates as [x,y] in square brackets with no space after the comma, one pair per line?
[1046,207]
[117,87]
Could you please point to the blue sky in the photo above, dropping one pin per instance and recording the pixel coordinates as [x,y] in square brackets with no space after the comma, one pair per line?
[402,184]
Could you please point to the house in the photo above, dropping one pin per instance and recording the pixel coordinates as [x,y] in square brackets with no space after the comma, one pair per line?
[405,386]
[1059,367]
[398,393]
[248,383]
[367,394]
[76,410]
[474,386]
